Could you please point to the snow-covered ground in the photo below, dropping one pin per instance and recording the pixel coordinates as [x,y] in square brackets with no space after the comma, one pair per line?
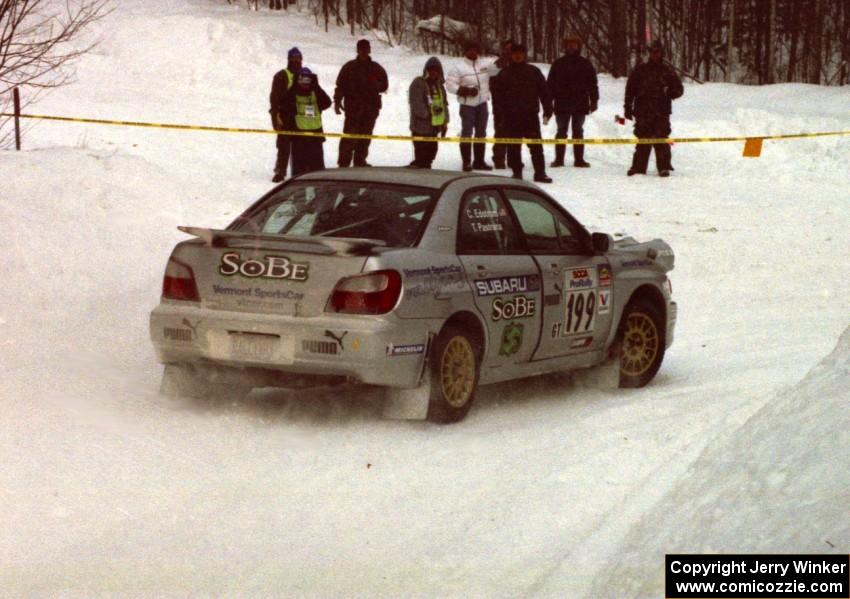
[776,484]
[107,487]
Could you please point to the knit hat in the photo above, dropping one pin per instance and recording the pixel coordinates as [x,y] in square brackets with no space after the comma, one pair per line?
[305,76]
[294,52]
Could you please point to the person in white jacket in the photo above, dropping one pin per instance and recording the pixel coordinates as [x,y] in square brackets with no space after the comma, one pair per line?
[470,81]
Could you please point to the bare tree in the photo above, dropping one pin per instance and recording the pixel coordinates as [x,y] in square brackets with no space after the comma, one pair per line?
[36,49]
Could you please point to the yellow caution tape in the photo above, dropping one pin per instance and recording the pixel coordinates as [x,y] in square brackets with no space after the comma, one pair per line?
[489,140]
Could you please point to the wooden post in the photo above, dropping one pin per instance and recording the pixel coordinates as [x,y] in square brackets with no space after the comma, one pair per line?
[16,100]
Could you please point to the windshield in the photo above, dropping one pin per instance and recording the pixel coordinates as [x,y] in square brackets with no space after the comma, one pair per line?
[392,214]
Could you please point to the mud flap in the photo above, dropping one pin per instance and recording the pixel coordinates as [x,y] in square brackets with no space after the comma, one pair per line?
[407,404]
[608,372]
[411,404]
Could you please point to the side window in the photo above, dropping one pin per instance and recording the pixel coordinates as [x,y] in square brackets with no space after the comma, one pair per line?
[546,230]
[484,225]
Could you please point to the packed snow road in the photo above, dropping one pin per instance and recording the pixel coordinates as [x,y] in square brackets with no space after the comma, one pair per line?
[107,487]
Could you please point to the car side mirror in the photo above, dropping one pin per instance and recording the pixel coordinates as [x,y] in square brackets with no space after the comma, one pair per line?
[600,242]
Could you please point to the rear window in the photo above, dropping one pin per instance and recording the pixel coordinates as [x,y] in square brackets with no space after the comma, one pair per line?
[355,210]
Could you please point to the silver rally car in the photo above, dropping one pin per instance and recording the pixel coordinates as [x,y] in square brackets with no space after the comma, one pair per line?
[428,283]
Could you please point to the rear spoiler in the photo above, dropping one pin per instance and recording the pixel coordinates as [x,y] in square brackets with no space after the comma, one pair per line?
[309,245]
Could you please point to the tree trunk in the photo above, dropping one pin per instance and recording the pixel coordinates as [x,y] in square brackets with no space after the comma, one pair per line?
[617,35]
[815,58]
[803,15]
[794,24]
[707,35]
[443,27]
[768,63]
[845,47]
[642,23]
[730,43]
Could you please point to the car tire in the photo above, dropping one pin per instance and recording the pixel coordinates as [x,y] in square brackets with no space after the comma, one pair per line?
[184,381]
[455,366]
[641,342]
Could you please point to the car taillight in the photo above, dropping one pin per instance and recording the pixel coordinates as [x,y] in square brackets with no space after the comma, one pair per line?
[179,282]
[371,293]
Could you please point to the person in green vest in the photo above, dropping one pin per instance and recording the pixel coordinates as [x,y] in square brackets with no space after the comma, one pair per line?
[281,83]
[429,115]
[302,111]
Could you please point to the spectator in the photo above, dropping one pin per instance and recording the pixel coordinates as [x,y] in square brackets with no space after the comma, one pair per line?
[429,114]
[470,80]
[359,86]
[303,106]
[650,90]
[525,90]
[500,150]
[281,83]
[572,81]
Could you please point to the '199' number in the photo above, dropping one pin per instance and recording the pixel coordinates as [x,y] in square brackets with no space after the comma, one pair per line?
[580,305]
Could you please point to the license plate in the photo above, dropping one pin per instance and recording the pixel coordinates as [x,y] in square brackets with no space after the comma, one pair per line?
[253,346]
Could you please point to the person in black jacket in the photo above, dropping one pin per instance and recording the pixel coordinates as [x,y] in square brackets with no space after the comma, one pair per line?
[500,150]
[281,83]
[572,81]
[302,111]
[525,90]
[650,90]
[358,87]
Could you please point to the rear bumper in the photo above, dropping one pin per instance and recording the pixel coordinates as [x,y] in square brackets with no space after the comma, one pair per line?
[377,350]
[672,313]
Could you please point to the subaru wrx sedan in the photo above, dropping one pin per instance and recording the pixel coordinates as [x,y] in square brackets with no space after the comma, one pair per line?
[427,283]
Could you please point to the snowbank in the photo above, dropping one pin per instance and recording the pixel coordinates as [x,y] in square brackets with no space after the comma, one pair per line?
[780,483]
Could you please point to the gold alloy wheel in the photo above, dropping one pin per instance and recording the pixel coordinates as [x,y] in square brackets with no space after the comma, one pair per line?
[640,344]
[457,371]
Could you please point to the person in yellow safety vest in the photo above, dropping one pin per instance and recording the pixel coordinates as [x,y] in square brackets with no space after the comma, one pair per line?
[429,115]
[302,111]
[281,83]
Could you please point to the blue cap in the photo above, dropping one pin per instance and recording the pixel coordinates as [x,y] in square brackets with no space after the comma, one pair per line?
[305,71]
[294,52]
